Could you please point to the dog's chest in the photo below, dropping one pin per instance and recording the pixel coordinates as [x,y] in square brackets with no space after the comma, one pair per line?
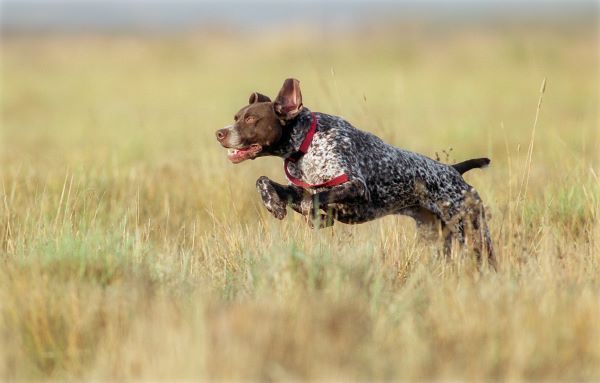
[320,163]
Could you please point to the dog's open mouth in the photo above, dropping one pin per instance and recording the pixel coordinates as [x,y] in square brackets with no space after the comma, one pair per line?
[238,155]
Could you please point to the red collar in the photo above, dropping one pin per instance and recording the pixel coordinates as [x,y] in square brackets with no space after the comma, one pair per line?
[301,152]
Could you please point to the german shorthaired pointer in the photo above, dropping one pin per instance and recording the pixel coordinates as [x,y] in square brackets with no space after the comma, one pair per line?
[338,172]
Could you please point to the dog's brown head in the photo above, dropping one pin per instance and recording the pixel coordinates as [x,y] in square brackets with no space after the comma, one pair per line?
[259,125]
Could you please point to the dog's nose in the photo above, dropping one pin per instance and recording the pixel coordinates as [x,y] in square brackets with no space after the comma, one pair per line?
[221,134]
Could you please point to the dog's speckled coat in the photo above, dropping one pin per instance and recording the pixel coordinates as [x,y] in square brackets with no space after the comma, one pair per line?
[382,179]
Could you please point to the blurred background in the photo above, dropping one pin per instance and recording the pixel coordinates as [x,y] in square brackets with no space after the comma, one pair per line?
[322,37]
[264,17]
[172,72]
[126,83]
[125,233]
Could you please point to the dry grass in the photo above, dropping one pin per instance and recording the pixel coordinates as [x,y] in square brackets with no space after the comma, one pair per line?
[131,249]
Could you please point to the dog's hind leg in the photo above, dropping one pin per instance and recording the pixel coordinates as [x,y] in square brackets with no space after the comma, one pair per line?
[464,222]
[428,224]
[449,226]
[479,235]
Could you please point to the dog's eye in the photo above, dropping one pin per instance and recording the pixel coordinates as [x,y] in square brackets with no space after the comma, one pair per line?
[235,118]
[250,119]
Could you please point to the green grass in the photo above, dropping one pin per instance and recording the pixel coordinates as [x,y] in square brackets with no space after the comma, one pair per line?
[132,250]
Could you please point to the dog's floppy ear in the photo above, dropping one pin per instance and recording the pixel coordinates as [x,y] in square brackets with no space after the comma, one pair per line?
[257,97]
[288,103]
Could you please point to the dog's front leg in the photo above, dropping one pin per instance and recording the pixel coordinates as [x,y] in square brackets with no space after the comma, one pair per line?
[276,197]
[352,191]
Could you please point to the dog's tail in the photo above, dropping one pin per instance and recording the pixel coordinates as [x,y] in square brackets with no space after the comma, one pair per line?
[467,165]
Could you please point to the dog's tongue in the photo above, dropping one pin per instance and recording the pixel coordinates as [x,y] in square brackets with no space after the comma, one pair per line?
[239,155]
[236,155]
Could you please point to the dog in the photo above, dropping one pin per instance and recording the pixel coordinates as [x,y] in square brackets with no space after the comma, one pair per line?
[337,172]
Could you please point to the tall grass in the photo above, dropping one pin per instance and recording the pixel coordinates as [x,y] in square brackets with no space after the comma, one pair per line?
[132,250]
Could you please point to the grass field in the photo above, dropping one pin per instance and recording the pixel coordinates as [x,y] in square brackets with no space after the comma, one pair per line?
[131,249]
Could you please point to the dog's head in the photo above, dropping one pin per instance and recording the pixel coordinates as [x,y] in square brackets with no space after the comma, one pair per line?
[259,126]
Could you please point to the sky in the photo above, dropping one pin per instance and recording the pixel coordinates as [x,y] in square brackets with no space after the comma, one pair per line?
[177,15]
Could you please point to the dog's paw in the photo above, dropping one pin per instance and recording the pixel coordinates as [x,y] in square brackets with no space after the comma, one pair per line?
[278,211]
[275,206]
[270,199]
